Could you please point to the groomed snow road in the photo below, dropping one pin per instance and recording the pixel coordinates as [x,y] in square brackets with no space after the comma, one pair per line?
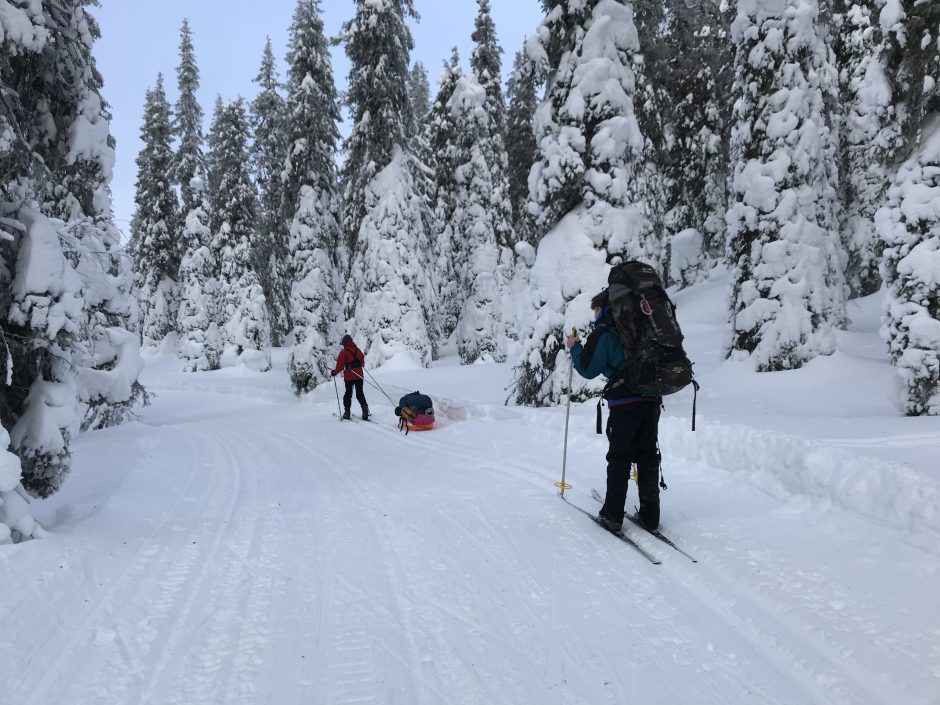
[242,547]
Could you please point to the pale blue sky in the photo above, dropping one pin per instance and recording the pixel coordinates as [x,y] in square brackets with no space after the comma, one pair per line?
[141,38]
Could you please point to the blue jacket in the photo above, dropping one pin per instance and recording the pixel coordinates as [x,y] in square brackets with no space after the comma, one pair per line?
[602,354]
[603,357]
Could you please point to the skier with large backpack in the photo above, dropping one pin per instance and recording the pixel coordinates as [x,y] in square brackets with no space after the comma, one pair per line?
[351,361]
[637,345]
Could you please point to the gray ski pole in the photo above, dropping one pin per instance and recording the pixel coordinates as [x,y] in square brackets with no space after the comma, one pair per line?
[336,389]
[379,387]
[564,458]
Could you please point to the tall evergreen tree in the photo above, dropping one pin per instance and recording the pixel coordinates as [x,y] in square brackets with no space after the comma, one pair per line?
[865,96]
[200,337]
[419,90]
[212,171]
[189,160]
[199,340]
[486,63]
[694,63]
[154,233]
[389,293]
[909,223]
[378,44]
[788,287]
[268,152]
[522,93]
[443,131]
[21,361]
[481,333]
[78,149]
[244,312]
[311,199]
[589,182]
[911,58]
[70,359]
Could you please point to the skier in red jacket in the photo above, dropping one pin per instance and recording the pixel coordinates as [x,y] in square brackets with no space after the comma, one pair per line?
[350,362]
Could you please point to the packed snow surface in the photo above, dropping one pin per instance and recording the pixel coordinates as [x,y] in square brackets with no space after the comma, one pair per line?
[236,545]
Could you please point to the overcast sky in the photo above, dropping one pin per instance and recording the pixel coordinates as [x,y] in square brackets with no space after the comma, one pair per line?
[141,38]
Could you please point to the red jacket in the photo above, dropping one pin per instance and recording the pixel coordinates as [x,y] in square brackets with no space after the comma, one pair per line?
[350,362]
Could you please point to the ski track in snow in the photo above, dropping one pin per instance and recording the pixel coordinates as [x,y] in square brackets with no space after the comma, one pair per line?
[793,650]
[288,558]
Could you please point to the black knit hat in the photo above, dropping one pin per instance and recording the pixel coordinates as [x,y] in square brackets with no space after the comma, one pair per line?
[346,339]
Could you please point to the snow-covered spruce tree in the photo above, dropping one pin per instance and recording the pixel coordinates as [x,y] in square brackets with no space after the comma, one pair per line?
[155,241]
[199,339]
[16,162]
[212,173]
[651,99]
[788,288]
[189,160]
[865,96]
[311,199]
[909,224]
[486,63]
[419,90]
[522,94]
[268,112]
[696,70]
[200,343]
[32,340]
[16,520]
[106,357]
[912,64]
[43,322]
[442,140]
[590,155]
[74,141]
[481,332]
[246,329]
[388,293]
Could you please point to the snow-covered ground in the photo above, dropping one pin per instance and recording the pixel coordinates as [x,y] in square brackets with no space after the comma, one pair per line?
[236,545]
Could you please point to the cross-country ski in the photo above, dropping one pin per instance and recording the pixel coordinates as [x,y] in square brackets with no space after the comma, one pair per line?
[619,534]
[656,533]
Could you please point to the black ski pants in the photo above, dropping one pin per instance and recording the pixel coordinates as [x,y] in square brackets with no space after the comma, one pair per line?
[360,395]
[633,432]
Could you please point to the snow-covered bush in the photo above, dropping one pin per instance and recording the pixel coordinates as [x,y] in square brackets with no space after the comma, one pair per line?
[16,521]
[106,355]
[46,310]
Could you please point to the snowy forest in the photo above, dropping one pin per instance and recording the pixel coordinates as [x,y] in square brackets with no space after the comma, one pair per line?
[793,144]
